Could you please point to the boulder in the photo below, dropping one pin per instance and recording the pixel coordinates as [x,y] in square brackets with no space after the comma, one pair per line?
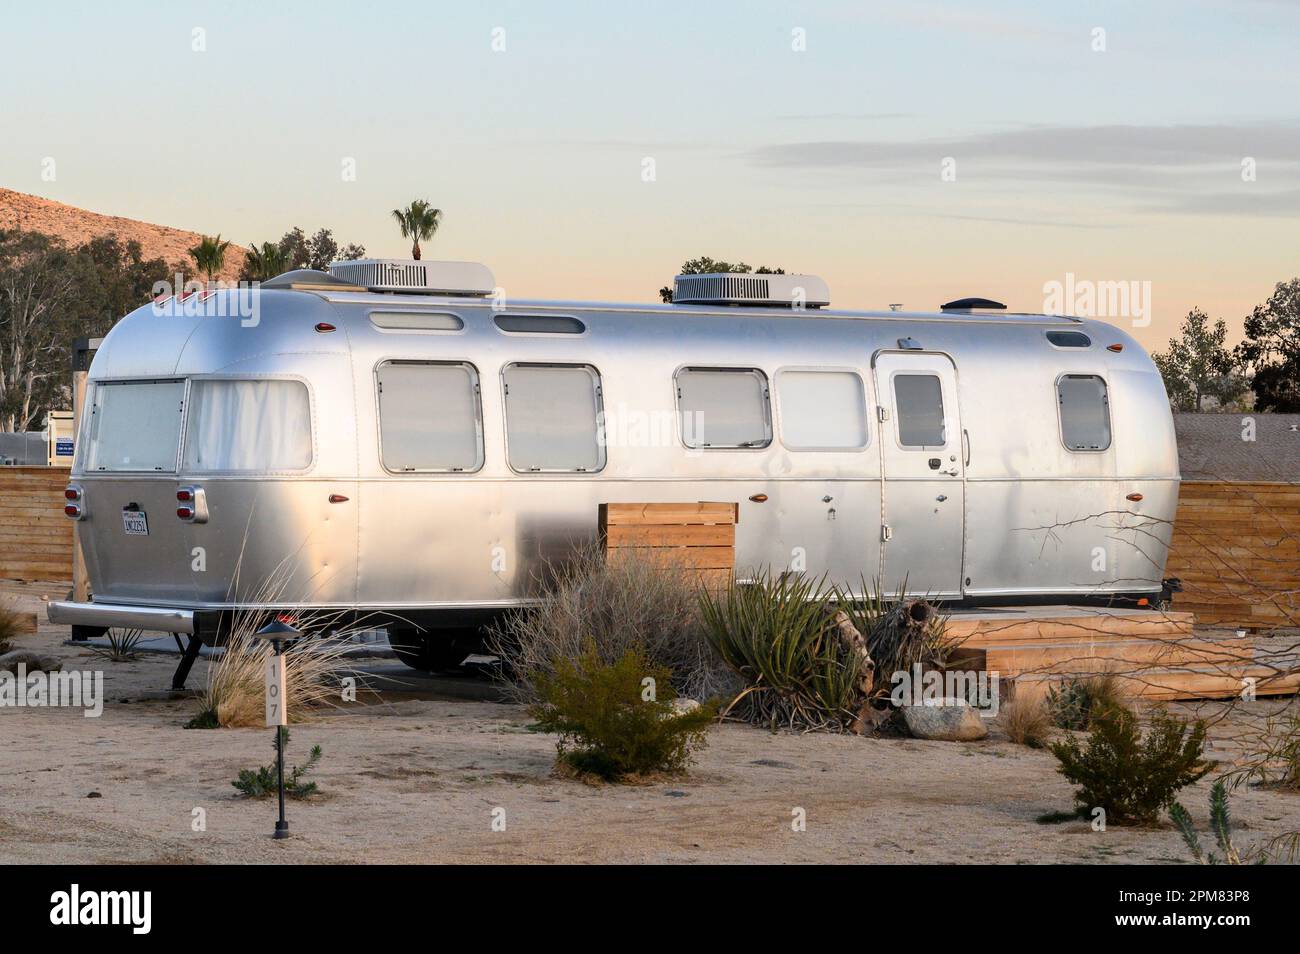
[681,706]
[34,662]
[945,720]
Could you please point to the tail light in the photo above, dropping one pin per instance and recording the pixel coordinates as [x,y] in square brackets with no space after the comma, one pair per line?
[74,509]
[193,505]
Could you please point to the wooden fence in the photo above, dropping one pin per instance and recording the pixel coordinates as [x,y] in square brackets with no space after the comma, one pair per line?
[694,536]
[35,536]
[1236,547]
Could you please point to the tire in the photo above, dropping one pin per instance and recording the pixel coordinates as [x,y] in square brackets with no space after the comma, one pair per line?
[429,650]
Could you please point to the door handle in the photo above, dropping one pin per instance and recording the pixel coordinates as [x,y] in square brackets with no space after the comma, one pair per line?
[965,442]
[952,473]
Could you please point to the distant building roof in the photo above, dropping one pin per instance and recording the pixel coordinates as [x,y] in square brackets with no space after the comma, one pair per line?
[1213,446]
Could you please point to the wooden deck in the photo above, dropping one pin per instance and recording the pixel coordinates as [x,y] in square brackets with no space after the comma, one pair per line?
[1158,656]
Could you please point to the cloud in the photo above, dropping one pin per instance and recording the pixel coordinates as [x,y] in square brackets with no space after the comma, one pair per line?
[1178,145]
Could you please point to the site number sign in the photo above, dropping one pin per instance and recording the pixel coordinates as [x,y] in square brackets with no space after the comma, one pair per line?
[276,711]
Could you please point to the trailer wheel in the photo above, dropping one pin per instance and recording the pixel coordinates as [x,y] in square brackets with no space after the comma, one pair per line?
[429,650]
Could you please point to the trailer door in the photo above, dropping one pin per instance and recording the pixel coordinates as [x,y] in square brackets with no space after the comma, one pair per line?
[923,466]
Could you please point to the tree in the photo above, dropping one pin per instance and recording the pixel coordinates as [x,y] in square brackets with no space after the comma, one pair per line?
[1272,349]
[263,262]
[1198,364]
[210,254]
[706,266]
[418,222]
[40,283]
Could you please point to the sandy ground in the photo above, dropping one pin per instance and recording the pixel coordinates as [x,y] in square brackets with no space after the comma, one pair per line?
[414,777]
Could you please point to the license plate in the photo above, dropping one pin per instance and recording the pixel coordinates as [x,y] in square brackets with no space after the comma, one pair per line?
[135,523]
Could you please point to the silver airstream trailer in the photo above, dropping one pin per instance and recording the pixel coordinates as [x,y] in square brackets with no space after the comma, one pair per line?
[397,439]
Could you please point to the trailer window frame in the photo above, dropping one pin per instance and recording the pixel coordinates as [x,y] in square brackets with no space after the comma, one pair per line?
[476,379]
[1105,403]
[191,380]
[757,373]
[864,409]
[598,399]
[898,411]
[89,439]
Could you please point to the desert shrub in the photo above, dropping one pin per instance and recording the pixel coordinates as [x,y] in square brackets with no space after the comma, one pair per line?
[634,602]
[1220,824]
[1131,777]
[1275,760]
[234,691]
[1026,720]
[9,626]
[612,723]
[779,635]
[123,644]
[1076,702]
[263,781]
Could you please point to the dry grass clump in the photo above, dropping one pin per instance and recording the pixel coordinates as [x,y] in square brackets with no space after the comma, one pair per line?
[1026,720]
[234,695]
[9,626]
[635,603]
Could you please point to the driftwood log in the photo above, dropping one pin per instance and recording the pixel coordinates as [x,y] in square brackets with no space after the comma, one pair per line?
[856,644]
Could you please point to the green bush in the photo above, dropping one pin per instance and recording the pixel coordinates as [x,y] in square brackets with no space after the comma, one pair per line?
[778,633]
[1077,701]
[612,722]
[263,781]
[1131,777]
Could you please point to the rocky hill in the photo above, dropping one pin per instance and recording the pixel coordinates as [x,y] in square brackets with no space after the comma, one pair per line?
[74,225]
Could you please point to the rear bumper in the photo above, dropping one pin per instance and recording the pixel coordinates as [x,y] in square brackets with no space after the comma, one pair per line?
[122,616]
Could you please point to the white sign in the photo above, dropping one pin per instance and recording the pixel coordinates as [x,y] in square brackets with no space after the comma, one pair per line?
[276,709]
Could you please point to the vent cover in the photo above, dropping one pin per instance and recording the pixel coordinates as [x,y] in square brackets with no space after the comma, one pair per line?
[406,275]
[723,288]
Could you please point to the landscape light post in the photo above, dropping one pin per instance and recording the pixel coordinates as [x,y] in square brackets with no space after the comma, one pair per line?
[277,706]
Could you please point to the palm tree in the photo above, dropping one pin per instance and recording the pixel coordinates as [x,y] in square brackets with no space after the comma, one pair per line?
[265,261]
[210,254]
[418,222]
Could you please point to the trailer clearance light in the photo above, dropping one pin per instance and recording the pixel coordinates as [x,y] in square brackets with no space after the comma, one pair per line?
[73,511]
[185,513]
[1134,497]
[184,496]
[72,493]
[1117,348]
[324,326]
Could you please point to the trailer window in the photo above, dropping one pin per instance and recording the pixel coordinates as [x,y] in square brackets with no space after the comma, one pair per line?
[553,415]
[723,407]
[135,425]
[1085,412]
[429,417]
[822,410]
[919,400]
[248,426]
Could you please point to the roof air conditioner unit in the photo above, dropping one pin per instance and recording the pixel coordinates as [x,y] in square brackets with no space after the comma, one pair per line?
[416,277]
[727,288]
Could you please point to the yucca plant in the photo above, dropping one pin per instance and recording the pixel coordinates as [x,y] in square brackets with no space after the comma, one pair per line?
[123,644]
[210,254]
[1220,824]
[778,633]
[418,222]
[901,632]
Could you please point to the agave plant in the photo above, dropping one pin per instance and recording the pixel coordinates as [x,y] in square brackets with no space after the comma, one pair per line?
[265,261]
[418,222]
[210,254]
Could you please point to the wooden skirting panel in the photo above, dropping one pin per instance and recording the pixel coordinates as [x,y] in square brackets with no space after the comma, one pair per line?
[35,536]
[1236,548]
[696,536]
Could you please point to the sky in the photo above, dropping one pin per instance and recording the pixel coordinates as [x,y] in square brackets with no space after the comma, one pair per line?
[907,152]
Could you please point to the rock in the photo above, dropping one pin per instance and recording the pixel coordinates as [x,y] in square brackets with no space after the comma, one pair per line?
[34,662]
[945,720]
[681,706]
